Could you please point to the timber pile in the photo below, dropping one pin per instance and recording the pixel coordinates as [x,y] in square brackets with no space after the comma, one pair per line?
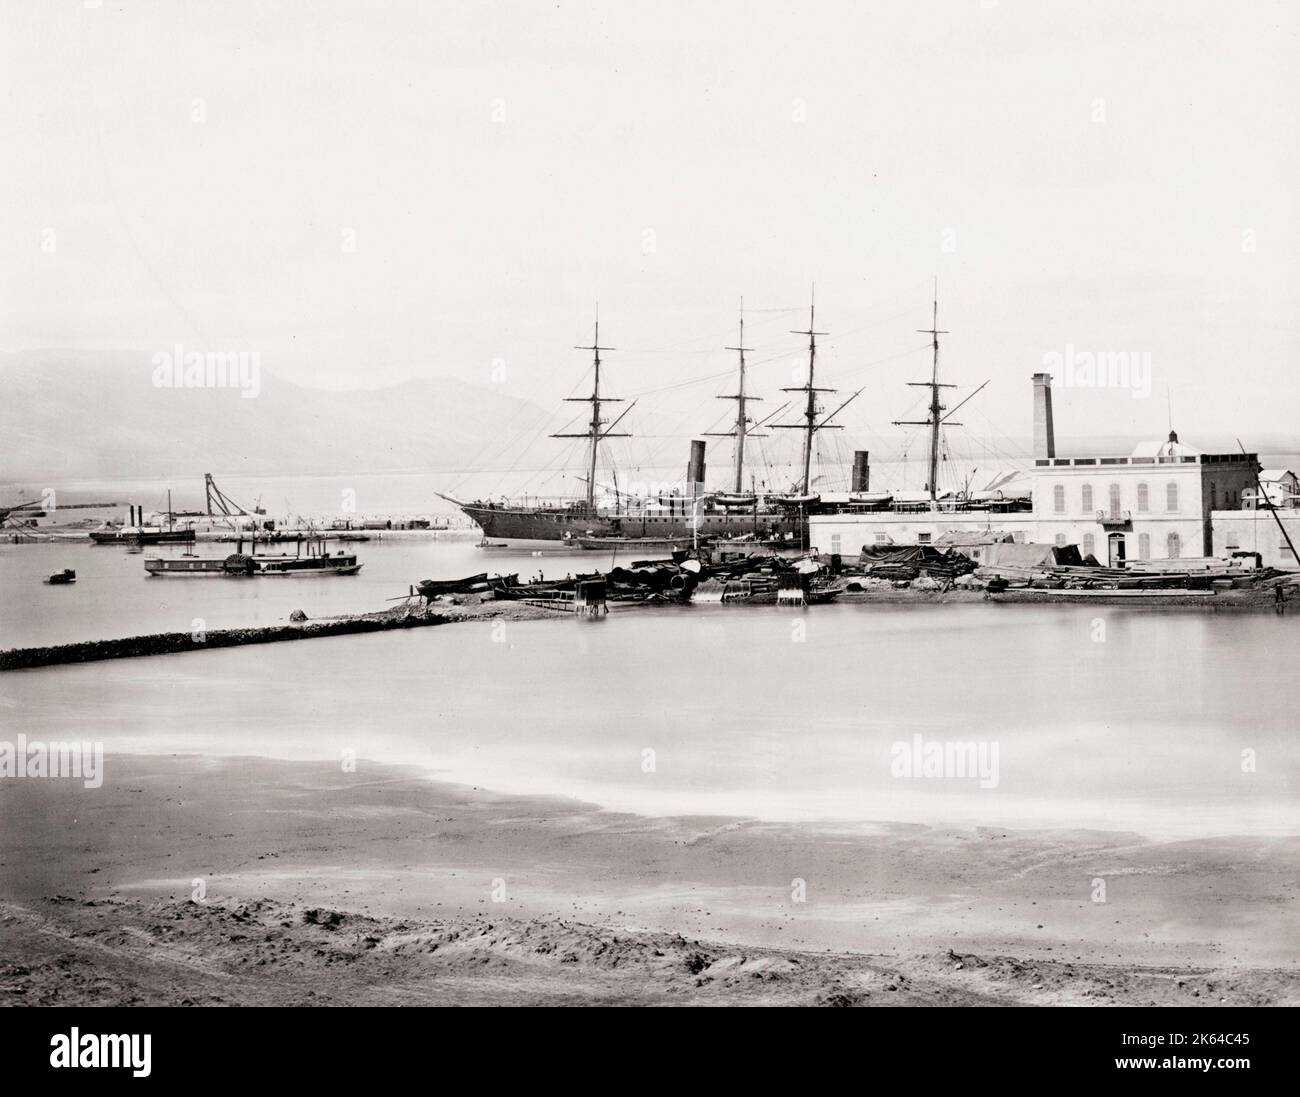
[1135,577]
[684,577]
[911,562]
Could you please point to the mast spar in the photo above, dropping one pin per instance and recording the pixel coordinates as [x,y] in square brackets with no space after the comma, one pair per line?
[809,426]
[594,432]
[743,399]
[935,419]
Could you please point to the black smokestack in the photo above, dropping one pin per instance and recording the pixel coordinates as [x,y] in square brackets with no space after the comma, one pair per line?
[695,470]
[861,470]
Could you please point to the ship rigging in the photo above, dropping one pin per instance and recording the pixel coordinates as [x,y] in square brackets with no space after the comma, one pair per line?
[811,424]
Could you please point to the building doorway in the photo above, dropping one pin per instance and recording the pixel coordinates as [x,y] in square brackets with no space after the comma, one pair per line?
[1116,541]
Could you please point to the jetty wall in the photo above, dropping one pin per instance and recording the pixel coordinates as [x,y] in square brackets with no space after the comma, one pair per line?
[170,643]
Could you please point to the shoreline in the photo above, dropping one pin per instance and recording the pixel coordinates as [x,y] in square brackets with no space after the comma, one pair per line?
[472,608]
[458,894]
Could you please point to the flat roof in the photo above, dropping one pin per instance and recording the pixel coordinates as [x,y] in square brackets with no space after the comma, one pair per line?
[1181,459]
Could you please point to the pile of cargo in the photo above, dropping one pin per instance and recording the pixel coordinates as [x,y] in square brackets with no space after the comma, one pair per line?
[1198,574]
[908,562]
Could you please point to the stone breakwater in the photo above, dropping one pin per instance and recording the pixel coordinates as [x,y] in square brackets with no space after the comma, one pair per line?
[172,643]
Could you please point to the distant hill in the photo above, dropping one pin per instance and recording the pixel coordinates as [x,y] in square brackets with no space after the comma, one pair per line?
[85,415]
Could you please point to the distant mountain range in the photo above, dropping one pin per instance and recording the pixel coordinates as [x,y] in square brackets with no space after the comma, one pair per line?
[72,415]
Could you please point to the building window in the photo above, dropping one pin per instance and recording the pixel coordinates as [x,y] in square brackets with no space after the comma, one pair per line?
[924,538]
[1060,540]
[1018,537]
[1089,544]
[1144,546]
[1175,546]
[882,538]
[1284,550]
[1087,498]
[1171,497]
[1058,498]
[1144,499]
[1232,542]
[1114,500]
[1214,495]
[835,544]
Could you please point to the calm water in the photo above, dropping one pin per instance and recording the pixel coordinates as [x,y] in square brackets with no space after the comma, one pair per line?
[114,597]
[757,711]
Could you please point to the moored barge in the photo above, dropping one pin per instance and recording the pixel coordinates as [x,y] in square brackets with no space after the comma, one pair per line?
[238,565]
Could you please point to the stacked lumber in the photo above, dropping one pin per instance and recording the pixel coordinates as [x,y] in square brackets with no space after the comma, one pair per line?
[1206,575]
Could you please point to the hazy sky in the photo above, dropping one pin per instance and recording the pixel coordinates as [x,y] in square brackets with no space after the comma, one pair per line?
[367,192]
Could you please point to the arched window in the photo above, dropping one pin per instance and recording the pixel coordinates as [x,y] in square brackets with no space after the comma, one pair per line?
[1089,545]
[1144,546]
[1087,498]
[1144,499]
[1175,546]
[1171,497]
[1058,498]
[1060,540]
[1114,500]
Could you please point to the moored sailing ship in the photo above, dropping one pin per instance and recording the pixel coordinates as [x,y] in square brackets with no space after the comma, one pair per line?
[691,514]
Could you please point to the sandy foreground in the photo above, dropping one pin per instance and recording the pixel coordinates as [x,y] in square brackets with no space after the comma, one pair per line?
[383,887]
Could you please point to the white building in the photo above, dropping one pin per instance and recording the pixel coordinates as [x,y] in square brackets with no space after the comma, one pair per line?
[1258,531]
[1281,489]
[1155,503]
[848,532]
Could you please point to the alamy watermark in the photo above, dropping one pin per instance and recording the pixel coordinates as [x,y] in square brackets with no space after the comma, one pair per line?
[919,757]
[227,369]
[53,759]
[1102,369]
[113,1051]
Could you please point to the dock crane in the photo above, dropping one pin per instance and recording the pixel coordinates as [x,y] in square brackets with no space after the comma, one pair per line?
[226,507]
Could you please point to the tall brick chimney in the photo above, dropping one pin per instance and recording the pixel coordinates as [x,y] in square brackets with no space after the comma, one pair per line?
[1044,434]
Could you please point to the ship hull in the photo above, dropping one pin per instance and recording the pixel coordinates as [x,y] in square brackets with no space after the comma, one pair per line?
[145,537]
[246,567]
[523,524]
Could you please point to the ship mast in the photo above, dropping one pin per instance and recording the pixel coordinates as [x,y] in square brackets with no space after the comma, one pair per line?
[935,419]
[594,432]
[742,414]
[809,426]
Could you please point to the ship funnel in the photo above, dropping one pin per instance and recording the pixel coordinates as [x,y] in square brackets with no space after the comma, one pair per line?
[861,471]
[695,470]
[1044,434]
